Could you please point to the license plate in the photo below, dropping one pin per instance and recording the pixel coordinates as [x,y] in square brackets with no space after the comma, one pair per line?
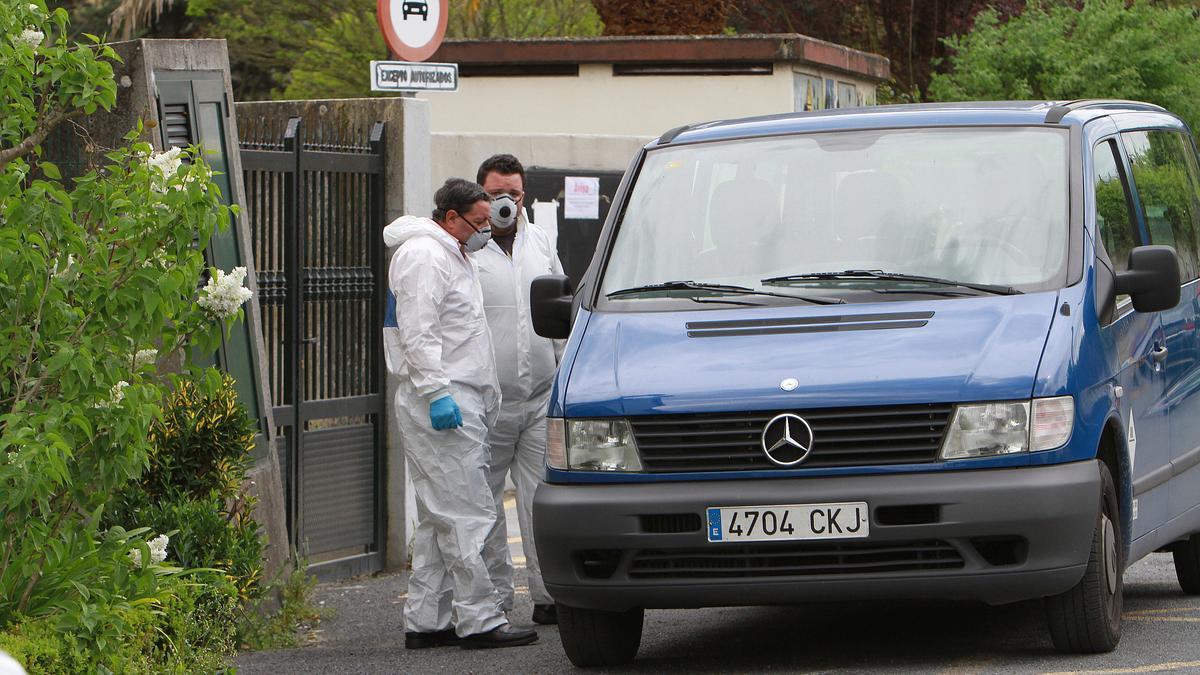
[846,520]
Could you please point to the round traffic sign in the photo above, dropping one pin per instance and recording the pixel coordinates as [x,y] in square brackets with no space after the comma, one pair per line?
[413,29]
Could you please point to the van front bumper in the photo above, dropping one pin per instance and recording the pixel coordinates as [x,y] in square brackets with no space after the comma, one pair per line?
[999,535]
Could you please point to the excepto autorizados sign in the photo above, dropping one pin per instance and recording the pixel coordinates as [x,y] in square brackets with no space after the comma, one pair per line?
[405,76]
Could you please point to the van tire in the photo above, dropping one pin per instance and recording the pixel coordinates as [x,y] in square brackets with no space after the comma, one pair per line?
[1187,564]
[593,637]
[1087,618]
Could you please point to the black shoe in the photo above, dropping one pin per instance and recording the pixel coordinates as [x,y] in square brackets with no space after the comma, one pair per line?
[545,614]
[440,638]
[503,636]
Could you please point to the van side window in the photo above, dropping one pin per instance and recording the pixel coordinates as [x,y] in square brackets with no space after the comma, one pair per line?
[1166,188]
[1113,213]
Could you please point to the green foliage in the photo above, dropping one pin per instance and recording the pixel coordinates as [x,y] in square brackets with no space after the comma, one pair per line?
[313,49]
[267,38]
[40,647]
[482,19]
[200,451]
[194,633]
[1107,49]
[191,634]
[279,630]
[201,445]
[95,274]
[209,536]
[336,60]
[68,78]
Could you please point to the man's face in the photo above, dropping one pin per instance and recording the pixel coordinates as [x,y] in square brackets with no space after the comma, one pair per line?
[462,225]
[496,184]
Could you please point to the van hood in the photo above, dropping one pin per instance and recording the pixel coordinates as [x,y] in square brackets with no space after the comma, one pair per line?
[938,351]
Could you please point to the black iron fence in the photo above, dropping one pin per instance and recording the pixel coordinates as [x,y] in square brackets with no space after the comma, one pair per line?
[315,204]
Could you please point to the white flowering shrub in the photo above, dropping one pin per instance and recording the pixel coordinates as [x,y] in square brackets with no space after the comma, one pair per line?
[224,294]
[98,284]
[157,548]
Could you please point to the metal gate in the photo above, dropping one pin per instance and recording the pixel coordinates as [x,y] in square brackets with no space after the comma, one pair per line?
[315,204]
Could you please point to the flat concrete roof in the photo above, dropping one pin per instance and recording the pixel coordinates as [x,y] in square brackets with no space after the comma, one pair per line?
[669,49]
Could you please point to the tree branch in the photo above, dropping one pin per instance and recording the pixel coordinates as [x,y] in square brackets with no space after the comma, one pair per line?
[35,139]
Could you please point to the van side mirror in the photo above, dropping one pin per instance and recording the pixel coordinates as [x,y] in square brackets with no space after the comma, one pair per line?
[550,299]
[1152,280]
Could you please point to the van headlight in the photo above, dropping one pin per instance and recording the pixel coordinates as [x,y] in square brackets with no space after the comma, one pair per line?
[591,445]
[1004,428]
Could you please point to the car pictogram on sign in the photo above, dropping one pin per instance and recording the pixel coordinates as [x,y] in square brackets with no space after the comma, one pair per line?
[420,7]
[413,29]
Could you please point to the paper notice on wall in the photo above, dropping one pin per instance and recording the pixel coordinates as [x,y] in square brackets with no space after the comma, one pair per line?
[582,198]
[545,216]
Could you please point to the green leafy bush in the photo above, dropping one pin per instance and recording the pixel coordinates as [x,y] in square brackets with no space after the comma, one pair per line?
[200,449]
[98,283]
[42,648]
[189,634]
[200,452]
[1098,48]
[296,609]
[201,445]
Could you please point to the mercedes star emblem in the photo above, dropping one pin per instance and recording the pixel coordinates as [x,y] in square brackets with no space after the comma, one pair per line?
[787,439]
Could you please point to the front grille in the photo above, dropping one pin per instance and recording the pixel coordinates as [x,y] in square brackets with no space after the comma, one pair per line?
[723,561]
[841,437]
[671,523]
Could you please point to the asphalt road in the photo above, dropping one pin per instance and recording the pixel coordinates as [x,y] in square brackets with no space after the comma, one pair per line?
[365,635]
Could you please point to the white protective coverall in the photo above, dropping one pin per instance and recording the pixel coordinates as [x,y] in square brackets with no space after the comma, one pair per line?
[526,363]
[436,340]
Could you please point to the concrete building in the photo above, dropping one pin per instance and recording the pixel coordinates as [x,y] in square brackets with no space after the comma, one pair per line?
[640,86]
[588,103]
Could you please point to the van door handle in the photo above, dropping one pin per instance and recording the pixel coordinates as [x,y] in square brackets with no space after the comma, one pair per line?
[1159,354]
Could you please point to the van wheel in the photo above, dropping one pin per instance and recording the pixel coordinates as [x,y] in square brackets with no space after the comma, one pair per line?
[1187,564]
[1087,618]
[593,637]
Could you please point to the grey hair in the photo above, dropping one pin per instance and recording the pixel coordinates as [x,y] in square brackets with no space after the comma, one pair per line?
[457,194]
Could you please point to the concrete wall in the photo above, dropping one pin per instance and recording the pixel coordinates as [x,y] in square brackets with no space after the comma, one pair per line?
[458,155]
[596,102]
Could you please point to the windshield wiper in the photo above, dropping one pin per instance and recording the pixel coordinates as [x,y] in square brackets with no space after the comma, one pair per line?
[895,276]
[720,288]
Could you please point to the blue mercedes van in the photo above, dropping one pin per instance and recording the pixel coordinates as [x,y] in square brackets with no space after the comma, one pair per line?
[934,351]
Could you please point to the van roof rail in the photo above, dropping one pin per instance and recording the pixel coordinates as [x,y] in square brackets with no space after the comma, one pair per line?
[671,134]
[1062,108]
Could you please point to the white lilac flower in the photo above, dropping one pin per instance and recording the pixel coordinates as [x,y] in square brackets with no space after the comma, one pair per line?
[144,357]
[115,395]
[31,37]
[224,293]
[158,551]
[159,258]
[166,163]
[66,269]
[158,548]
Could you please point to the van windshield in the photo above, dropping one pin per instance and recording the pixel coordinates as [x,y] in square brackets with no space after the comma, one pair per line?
[846,212]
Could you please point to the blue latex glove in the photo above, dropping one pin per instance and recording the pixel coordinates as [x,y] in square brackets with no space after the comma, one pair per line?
[444,413]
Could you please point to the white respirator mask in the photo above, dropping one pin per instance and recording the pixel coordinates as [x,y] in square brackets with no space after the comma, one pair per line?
[477,240]
[504,212]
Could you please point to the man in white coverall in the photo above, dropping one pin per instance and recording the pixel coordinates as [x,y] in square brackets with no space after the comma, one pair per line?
[437,342]
[525,363]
